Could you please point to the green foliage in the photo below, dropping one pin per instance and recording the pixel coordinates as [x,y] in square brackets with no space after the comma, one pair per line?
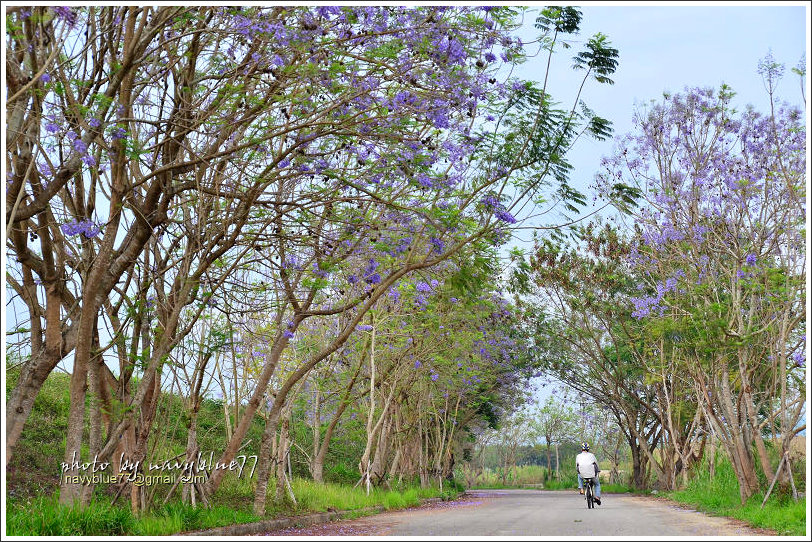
[599,58]
[563,19]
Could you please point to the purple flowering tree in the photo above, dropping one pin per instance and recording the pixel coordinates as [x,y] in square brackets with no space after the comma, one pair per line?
[587,338]
[720,259]
[294,163]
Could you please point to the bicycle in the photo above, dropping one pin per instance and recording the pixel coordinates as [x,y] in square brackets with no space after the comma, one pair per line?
[589,492]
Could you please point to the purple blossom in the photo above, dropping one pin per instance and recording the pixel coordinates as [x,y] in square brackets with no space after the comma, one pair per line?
[288,334]
[423,179]
[52,127]
[292,262]
[118,133]
[363,327]
[65,14]
[45,78]
[799,358]
[86,227]
[490,202]
[417,364]
[319,272]
[79,146]
[750,260]
[370,276]
[504,216]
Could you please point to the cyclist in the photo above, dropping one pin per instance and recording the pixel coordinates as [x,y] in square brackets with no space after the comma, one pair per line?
[586,465]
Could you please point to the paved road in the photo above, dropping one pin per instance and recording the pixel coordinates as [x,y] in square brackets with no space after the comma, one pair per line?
[534,513]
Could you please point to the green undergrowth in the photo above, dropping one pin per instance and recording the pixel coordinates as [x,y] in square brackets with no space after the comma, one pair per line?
[45,517]
[719,496]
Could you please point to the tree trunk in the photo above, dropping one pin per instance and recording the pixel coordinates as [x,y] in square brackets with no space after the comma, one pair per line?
[188,494]
[549,461]
[70,491]
[282,456]
[376,471]
[95,436]
[638,477]
[316,433]
[264,462]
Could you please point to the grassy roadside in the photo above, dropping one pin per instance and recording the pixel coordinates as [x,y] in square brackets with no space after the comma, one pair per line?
[44,517]
[719,496]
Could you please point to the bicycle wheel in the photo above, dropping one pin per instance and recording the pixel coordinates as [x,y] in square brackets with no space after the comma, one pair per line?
[590,500]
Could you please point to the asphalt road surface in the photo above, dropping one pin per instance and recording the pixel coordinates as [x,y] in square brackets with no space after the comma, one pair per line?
[535,513]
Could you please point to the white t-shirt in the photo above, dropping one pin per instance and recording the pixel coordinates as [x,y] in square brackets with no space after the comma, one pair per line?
[584,465]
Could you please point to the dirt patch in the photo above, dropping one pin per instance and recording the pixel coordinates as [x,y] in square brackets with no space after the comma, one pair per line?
[724,523]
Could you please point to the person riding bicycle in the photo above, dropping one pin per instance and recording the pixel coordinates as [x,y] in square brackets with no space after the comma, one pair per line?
[586,465]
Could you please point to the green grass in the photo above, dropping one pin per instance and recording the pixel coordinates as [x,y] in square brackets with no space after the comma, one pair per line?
[314,497]
[567,481]
[616,488]
[719,496]
[44,517]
